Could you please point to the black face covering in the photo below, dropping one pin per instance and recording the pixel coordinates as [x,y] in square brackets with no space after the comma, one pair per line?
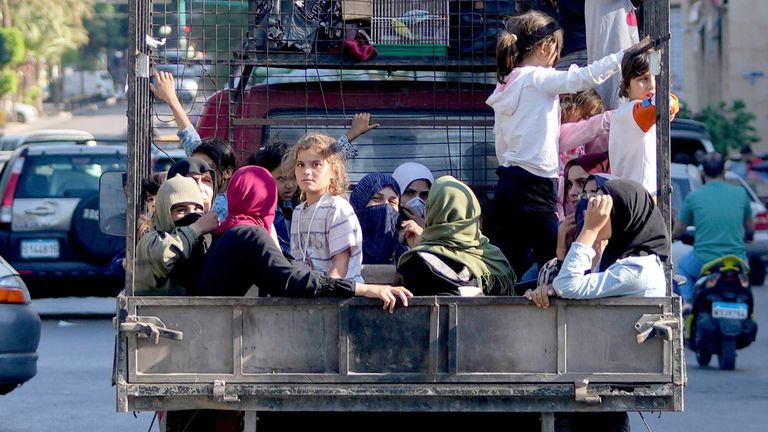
[188,220]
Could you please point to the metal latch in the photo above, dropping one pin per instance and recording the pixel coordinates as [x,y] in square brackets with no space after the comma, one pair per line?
[656,325]
[220,392]
[583,396]
[147,327]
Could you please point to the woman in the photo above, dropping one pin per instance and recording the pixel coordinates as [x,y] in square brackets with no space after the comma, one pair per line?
[624,214]
[375,200]
[244,255]
[414,180]
[451,252]
[575,177]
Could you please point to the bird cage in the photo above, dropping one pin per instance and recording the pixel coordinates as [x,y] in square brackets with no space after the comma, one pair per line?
[410,27]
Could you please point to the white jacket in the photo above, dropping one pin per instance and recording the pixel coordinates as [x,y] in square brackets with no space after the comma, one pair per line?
[527,111]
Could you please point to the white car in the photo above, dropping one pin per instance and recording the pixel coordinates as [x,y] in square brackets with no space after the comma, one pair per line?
[25,113]
[686,178]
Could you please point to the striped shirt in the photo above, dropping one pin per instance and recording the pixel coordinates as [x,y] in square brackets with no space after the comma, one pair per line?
[325,229]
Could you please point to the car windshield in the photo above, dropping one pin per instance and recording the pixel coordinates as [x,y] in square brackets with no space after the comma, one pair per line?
[48,176]
[464,151]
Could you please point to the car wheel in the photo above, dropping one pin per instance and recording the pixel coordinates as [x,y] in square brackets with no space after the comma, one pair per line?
[21,118]
[87,235]
[756,271]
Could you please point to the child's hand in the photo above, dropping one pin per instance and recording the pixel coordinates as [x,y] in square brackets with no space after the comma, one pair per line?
[361,124]
[644,45]
[164,87]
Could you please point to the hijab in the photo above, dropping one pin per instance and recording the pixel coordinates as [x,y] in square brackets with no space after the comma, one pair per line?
[637,226]
[409,172]
[251,199]
[379,222]
[453,231]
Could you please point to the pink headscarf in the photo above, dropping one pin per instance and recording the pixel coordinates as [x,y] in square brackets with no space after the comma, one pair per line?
[251,199]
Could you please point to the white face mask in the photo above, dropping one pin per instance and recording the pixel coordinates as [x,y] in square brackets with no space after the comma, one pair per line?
[418,205]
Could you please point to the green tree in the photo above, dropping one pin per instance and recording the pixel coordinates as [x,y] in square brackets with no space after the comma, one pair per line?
[11,46]
[730,126]
[106,33]
[9,82]
[50,28]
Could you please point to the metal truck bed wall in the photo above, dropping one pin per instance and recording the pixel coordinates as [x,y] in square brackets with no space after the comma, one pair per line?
[439,354]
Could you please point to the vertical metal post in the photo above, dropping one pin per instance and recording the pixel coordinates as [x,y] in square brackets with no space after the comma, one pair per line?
[656,24]
[547,422]
[139,123]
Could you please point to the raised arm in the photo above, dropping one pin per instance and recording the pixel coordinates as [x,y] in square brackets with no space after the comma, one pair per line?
[164,89]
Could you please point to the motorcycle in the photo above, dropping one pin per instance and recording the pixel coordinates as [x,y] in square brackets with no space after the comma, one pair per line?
[720,320]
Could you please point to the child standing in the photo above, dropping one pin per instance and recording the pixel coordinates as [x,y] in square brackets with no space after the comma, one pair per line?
[527,125]
[632,141]
[325,232]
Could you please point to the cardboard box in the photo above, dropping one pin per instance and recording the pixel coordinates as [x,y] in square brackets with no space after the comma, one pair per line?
[356,9]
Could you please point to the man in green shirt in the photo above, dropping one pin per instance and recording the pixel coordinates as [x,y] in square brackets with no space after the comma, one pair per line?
[722,216]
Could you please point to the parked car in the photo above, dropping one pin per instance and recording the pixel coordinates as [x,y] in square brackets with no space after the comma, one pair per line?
[25,113]
[19,331]
[686,178]
[687,138]
[49,221]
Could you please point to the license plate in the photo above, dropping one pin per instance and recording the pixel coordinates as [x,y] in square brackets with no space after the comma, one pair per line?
[39,249]
[729,310]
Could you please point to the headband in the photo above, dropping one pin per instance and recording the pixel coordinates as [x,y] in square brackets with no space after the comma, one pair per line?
[540,34]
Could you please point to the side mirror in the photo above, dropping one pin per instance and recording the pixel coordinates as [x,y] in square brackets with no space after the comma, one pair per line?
[112,204]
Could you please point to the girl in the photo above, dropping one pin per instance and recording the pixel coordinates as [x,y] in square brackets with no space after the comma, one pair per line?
[527,124]
[243,254]
[624,214]
[451,253]
[325,232]
[632,141]
[414,180]
[376,203]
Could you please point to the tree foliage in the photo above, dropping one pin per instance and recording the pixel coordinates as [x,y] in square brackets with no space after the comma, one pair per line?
[50,28]
[11,47]
[9,82]
[106,33]
[729,125]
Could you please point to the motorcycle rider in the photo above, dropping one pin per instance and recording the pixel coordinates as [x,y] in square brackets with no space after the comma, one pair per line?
[722,216]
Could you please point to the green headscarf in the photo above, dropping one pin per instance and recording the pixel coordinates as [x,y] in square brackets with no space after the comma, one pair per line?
[453,231]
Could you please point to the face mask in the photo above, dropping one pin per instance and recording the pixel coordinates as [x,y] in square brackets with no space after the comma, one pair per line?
[418,205]
[188,220]
[380,236]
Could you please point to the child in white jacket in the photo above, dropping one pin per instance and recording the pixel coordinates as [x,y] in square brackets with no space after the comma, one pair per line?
[527,126]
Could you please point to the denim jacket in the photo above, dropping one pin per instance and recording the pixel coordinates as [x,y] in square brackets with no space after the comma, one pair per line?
[632,276]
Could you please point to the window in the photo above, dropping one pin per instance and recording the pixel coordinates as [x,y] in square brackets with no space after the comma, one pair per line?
[51,176]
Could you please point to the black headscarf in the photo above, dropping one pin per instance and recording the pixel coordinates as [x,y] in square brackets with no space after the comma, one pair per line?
[637,227]
[193,165]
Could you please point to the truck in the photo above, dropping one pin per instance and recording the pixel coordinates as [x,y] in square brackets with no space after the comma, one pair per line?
[477,356]
[85,84]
